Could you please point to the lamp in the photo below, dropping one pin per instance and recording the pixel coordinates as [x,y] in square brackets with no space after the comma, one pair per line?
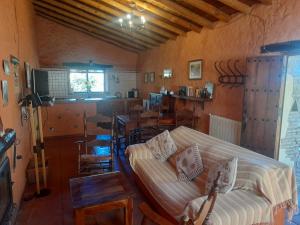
[131,22]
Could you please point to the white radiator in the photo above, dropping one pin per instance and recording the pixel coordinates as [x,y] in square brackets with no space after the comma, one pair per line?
[225,129]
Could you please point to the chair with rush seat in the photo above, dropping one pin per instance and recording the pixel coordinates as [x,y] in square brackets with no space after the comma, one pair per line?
[98,143]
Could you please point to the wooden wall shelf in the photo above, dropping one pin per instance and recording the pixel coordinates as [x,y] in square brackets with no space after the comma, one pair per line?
[194,99]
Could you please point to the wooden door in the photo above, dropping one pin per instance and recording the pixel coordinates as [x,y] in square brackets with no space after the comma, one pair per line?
[262,108]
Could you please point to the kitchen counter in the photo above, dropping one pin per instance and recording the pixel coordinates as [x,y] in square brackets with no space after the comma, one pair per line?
[91,100]
[66,116]
[83,100]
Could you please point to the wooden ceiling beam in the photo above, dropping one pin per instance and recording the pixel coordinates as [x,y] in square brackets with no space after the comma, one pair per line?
[97,4]
[209,9]
[63,6]
[145,36]
[83,30]
[237,5]
[175,8]
[153,20]
[114,34]
[67,17]
[166,15]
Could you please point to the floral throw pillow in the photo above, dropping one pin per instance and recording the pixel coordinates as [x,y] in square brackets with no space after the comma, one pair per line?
[228,169]
[162,146]
[189,163]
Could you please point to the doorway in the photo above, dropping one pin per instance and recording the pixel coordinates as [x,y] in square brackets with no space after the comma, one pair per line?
[289,150]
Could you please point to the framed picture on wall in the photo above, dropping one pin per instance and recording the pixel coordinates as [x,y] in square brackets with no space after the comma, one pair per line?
[27,74]
[4,88]
[167,73]
[195,69]
[6,67]
[151,77]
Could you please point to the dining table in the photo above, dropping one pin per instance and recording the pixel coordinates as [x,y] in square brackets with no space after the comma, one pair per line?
[125,125]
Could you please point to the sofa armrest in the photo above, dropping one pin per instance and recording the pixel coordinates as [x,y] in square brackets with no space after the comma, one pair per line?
[136,152]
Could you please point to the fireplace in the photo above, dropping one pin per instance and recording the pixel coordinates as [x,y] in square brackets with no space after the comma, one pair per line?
[6,203]
[7,207]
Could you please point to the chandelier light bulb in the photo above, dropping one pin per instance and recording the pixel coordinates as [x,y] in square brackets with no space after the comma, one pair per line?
[143,20]
[120,20]
[128,16]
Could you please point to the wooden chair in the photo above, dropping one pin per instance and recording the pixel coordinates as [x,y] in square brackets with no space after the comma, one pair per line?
[98,144]
[148,124]
[135,111]
[202,217]
[185,117]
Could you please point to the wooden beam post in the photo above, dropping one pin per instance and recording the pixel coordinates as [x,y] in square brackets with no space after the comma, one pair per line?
[175,8]
[168,16]
[209,9]
[237,5]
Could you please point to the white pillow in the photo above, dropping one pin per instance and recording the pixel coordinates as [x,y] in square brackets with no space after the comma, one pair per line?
[189,163]
[226,182]
[162,146]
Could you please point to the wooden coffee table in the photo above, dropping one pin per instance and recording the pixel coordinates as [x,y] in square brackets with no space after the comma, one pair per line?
[97,193]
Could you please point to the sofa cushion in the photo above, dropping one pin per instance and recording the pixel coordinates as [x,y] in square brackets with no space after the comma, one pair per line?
[162,146]
[189,163]
[228,170]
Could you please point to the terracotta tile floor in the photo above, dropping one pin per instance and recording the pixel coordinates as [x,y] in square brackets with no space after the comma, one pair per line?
[56,208]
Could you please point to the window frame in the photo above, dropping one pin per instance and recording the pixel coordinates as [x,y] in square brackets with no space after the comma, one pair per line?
[86,72]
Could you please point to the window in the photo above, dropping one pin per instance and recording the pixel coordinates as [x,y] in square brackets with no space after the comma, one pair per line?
[87,81]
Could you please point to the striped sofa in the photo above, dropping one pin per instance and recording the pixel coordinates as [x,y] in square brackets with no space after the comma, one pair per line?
[263,185]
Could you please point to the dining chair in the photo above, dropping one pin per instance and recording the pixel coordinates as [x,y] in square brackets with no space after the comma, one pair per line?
[185,117]
[201,218]
[135,111]
[148,126]
[96,150]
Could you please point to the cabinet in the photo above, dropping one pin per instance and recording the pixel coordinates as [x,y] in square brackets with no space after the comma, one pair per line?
[66,118]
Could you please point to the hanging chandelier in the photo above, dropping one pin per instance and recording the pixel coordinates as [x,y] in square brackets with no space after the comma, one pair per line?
[131,22]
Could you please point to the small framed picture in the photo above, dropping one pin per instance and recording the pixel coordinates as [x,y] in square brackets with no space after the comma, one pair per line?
[145,77]
[27,74]
[151,77]
[4,88]
[195,69]
[210,89]
[167,73]
[6,67]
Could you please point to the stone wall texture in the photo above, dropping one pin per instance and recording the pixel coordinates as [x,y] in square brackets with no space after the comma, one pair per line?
[17,38]
[239,39]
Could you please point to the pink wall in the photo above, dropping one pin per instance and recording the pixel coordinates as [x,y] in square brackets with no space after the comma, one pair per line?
[240,38]
[17,38]
[58,44]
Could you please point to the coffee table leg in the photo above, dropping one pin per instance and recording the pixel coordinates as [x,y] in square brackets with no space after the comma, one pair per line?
[79,217]
[129,212]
